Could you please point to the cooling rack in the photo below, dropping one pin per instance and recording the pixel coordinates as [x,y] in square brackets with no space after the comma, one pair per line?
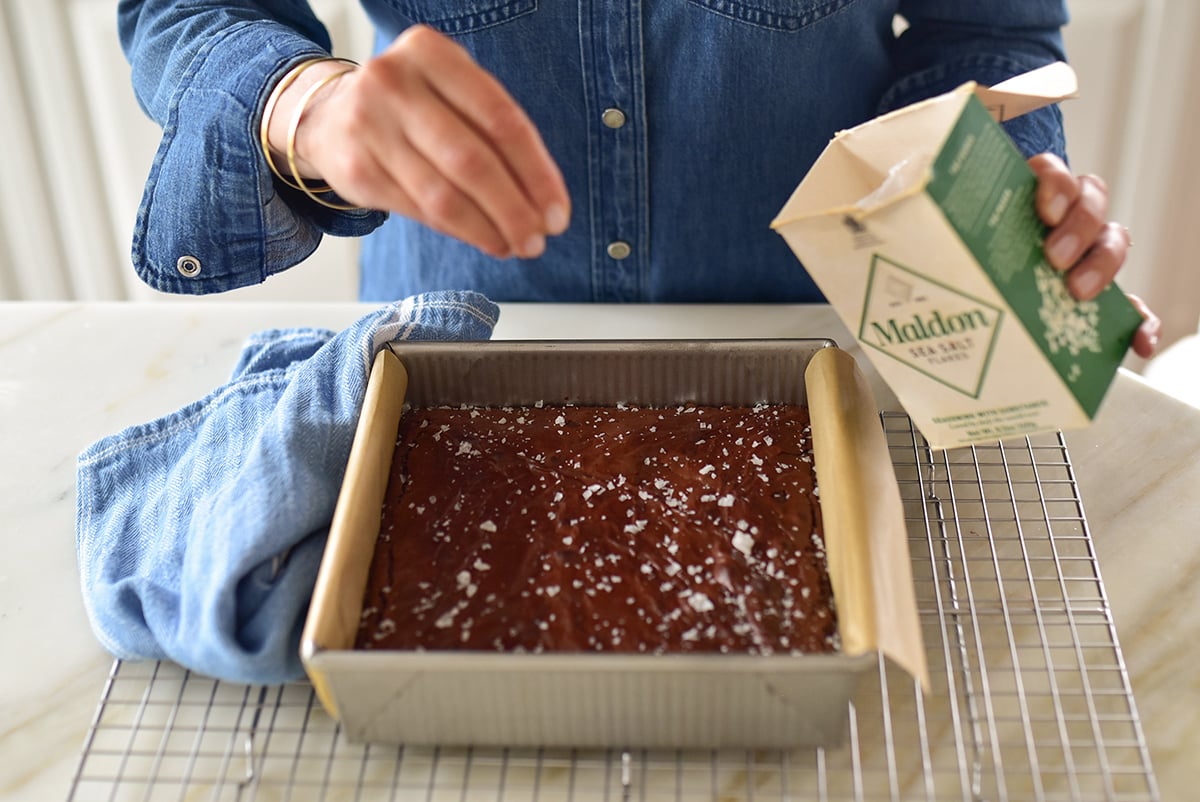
[1031,699]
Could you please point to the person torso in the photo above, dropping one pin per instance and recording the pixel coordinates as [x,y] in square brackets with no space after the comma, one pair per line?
[681,127]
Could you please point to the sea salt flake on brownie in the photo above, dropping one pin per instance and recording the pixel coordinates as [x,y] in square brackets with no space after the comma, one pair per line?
[743,542]
[607,552]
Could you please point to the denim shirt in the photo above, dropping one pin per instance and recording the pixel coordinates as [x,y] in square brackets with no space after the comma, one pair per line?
[681,127]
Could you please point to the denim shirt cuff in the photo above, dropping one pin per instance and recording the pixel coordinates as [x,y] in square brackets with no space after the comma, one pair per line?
[213,218]
[1038,131]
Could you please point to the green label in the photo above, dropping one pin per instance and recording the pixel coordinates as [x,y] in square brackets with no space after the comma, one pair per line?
[986,190]
[933,328]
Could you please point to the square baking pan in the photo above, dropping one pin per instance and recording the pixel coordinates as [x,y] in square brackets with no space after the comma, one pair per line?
[621,700]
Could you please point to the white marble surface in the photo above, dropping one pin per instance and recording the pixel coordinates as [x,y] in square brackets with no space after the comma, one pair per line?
[71,373]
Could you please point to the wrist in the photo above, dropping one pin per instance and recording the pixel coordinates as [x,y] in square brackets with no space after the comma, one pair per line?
[282,107]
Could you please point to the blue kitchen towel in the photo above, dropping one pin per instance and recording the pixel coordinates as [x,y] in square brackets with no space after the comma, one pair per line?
[199,534]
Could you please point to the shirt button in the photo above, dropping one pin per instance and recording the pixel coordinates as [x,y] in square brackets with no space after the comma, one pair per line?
[188,266]
[613,118]
[619,249]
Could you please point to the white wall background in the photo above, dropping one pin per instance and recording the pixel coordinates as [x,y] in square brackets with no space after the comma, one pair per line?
[77,148]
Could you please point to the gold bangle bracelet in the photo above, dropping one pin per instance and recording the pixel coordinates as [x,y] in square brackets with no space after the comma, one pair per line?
[269,109]
[301,106]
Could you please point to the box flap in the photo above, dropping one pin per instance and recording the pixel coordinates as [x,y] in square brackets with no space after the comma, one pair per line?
[872,165]
[1028,91]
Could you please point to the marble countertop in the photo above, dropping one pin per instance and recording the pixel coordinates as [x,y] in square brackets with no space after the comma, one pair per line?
[71,373]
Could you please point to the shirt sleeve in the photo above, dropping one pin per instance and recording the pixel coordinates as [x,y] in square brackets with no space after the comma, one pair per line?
[213,217]
[949,42]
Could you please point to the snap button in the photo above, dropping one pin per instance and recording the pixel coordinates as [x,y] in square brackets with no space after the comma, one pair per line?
[188,266]
[613,118]
[619,249]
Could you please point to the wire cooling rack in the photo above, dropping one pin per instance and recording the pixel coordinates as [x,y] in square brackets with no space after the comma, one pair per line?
[1030,699]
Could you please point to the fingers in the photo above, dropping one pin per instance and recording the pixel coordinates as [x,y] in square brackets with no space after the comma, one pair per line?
[1145,339]
[1099,265]
[443,195]
[372,164]
[1075,209]
[467,164]
[467,127]
[418,190]
[1057,188]
[423,131]
[499,121]
[1081,240]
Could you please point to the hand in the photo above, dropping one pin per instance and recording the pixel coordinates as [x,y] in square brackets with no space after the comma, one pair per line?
[423,131]
[1083,242]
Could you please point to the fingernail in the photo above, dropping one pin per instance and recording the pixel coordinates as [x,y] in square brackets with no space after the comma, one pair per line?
[534,246]
[1056,210]
[1087,285]
[1062,252]
[556,219]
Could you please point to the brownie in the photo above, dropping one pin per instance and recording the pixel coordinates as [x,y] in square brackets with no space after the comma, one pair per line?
[611,529]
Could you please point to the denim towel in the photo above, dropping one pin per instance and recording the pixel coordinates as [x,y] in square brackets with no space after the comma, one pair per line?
[199,534]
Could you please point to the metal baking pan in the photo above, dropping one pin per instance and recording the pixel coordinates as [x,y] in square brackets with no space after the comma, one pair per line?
[610,700]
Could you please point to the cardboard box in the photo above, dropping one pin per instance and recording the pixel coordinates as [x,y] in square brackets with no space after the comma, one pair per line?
[920,228]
